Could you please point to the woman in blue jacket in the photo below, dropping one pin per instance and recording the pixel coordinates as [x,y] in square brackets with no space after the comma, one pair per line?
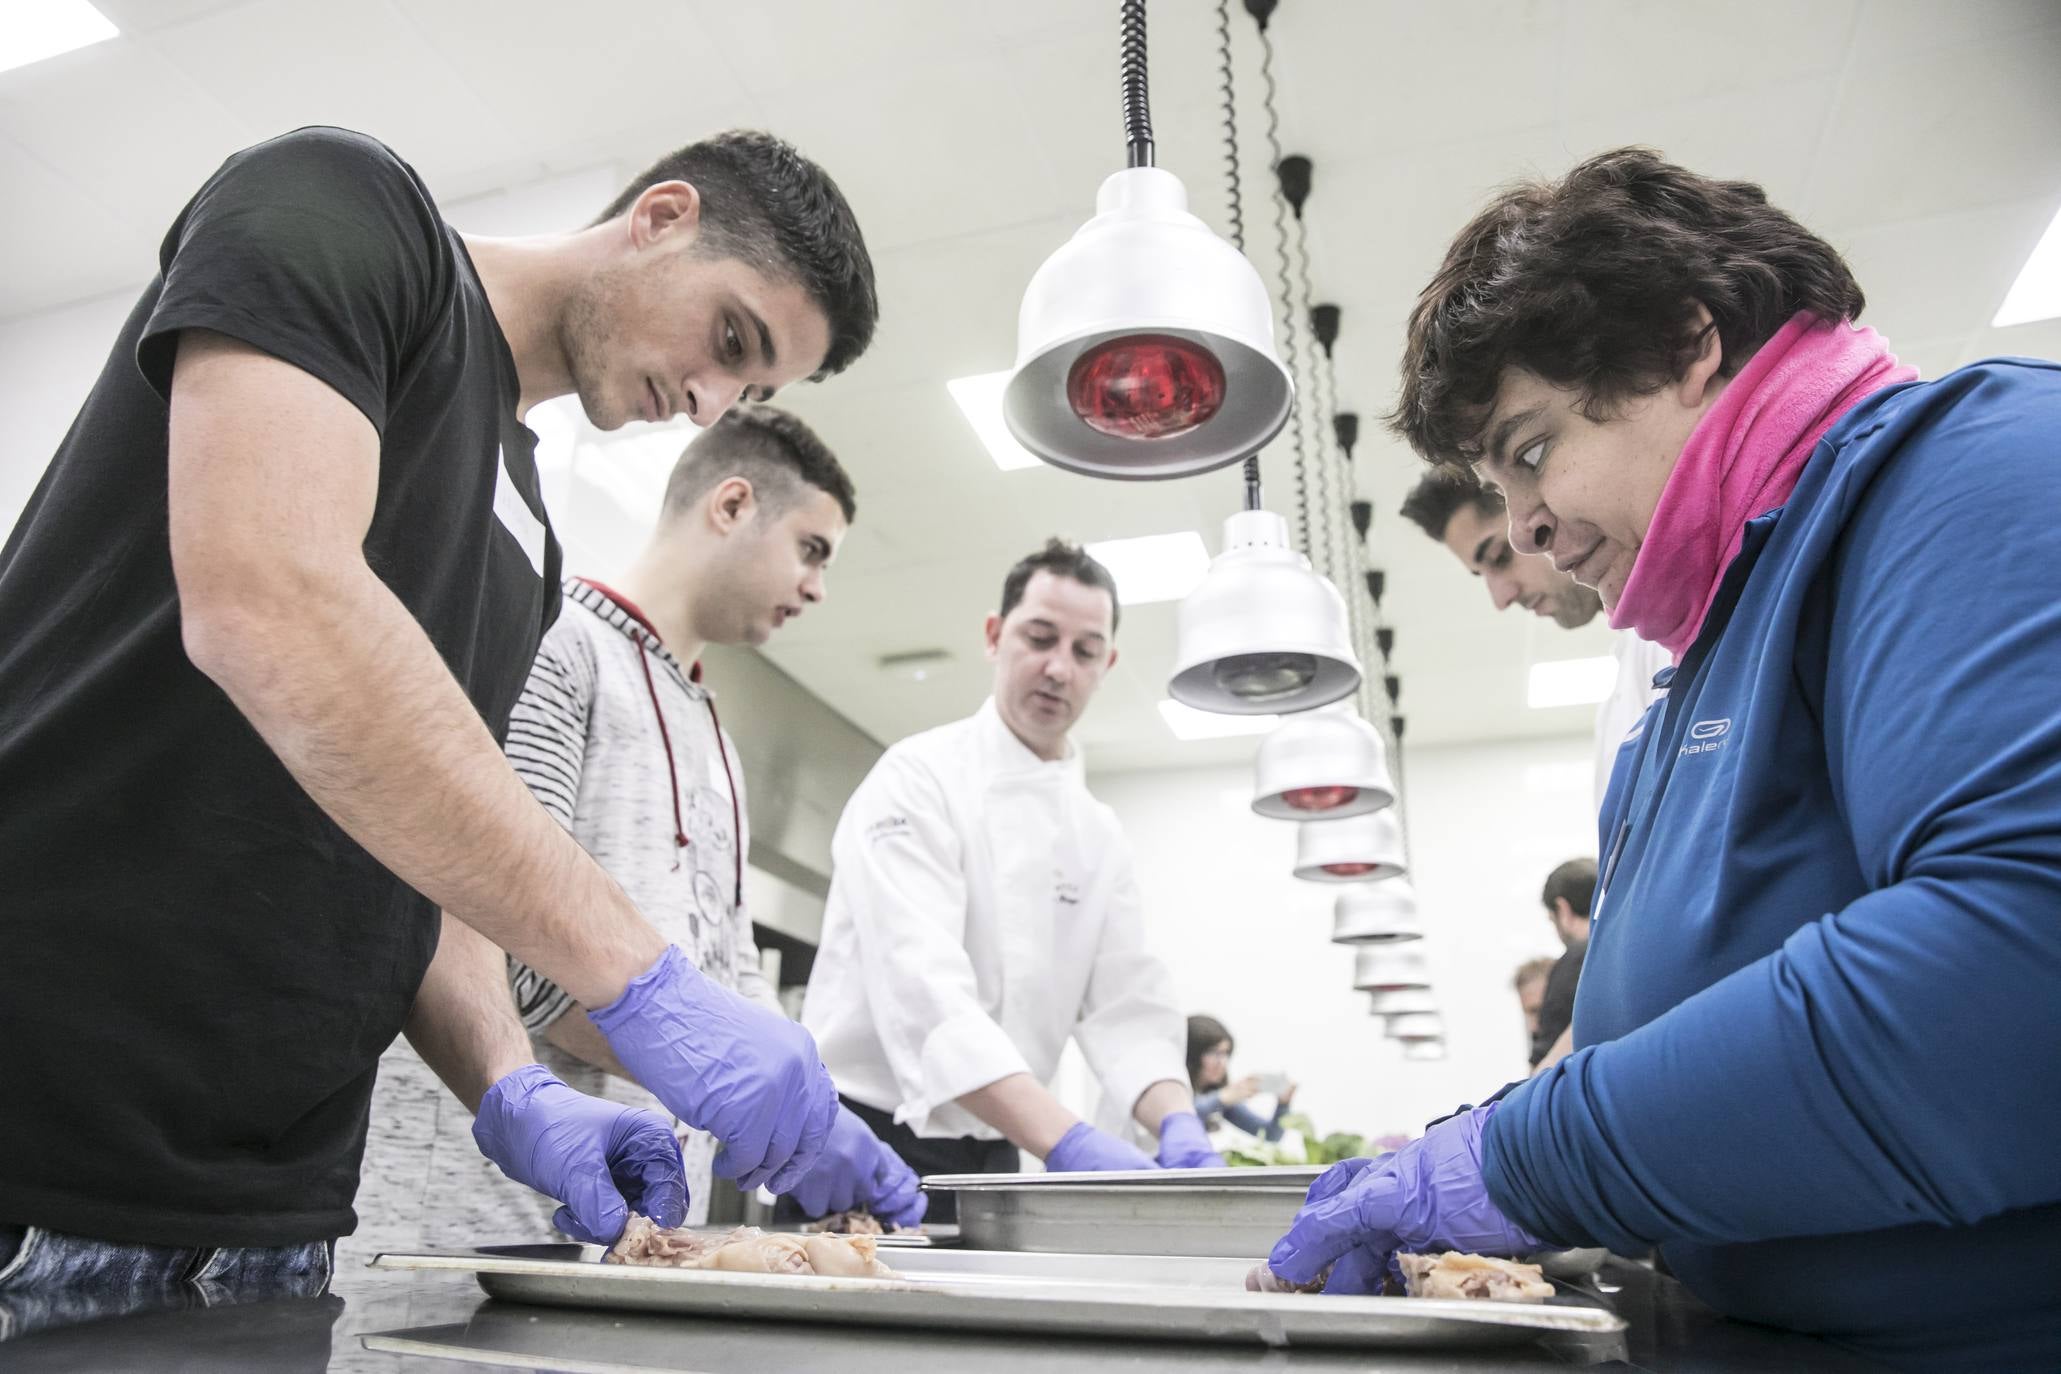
[1819,1029]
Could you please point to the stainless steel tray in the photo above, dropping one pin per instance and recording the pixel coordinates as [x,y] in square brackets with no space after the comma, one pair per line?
[1152,1297]
[1238,1213]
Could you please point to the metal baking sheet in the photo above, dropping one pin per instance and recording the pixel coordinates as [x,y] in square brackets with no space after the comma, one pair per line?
[1238,1213]
[1153,1297]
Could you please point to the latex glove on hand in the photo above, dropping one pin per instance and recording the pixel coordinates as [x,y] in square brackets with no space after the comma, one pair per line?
[1083,1149]
[1426,1196]
[602,1160]
[1184,1144]
[748,1076]
[856,1170]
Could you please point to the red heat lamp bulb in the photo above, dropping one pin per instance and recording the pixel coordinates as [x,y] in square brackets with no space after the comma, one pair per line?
[1146,386]
[1348,870]
[1319,798]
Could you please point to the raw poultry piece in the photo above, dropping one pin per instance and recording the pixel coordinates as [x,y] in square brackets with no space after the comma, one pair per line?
[858,1222]
[1261,1279]
[1457,1275]
[747,1250]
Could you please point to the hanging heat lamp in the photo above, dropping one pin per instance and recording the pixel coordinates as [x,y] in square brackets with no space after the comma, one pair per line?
[1376,914]
[1399,1000]
[1145,344]
[1417,1025]
[1424,1051]
[1377,968]
[1327,763]
[1357,849]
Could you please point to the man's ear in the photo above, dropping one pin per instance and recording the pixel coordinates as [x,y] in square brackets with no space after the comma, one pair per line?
[664,210]
[991,635]
[731,502]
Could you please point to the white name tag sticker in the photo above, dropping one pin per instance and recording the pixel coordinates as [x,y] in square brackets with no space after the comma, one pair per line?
[515,515]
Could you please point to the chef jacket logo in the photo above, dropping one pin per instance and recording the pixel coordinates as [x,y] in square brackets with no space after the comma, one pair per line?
[887,827]
[1068,893]
[1707,736]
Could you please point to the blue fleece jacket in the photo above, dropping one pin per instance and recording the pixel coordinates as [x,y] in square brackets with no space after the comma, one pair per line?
[1821,1015]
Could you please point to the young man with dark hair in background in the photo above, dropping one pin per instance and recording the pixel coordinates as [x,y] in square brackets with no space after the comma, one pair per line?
[1469,519]
[618,737]
[264,621]
[983,909]
[1569,894]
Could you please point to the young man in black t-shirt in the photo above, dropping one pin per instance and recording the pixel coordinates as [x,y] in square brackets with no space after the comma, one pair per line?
[261,627]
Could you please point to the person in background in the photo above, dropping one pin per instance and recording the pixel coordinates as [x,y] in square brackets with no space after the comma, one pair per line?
[1816,1044]
[618,737]
[1569,893]
[1217,1093]
[1530,983]
[264,622]
[983,909]
[1469,519]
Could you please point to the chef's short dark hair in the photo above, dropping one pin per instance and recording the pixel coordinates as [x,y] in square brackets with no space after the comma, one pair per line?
[1591,283]
[768,447]
[1575,881]
[764,203]
[1061,559]
[1441,493]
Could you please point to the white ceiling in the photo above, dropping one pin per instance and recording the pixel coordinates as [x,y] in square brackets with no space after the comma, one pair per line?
[971,135]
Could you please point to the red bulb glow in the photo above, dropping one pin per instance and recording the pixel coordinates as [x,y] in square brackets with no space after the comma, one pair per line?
[1319,798]
[1348,870]
[1146,386]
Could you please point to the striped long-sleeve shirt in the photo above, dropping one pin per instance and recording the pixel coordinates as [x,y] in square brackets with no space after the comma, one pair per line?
[621,744]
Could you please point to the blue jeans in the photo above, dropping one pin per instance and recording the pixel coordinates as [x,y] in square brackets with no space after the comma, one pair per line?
[48,1278]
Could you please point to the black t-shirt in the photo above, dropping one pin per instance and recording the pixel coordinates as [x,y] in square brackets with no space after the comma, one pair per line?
[1556,1004]
[198,968]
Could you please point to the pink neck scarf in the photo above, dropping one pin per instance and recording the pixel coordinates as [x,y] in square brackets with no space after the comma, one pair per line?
[1742,460]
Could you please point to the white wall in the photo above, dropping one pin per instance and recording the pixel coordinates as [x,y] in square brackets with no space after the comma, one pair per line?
[1250,945]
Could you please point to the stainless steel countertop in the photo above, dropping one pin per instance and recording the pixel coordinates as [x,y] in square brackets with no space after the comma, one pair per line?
[437,1321]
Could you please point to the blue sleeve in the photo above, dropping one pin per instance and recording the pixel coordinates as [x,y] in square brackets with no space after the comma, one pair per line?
[1251,1122]
[1208,1105]
[1894,1062]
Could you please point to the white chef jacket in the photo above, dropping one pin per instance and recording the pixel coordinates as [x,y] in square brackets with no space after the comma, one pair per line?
[982,910]
[1637,661]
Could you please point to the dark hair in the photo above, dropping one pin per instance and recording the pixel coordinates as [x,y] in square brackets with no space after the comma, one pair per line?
[1592,283]
[765,203]
[768,447]
[1576,881]
[1061,559]
[1205,1033]
[1435,499]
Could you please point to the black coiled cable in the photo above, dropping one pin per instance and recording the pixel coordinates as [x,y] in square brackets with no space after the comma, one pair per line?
[1232,186]
[1288,324]
[1137,103]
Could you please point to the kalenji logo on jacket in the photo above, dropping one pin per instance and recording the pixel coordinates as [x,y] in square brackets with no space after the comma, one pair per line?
[1707,736]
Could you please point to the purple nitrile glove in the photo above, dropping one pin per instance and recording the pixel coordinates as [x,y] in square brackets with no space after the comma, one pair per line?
[602,1160]
[1184,1144]
[748,1076]
[856,1170]
[1084,1149]
[1426,1196]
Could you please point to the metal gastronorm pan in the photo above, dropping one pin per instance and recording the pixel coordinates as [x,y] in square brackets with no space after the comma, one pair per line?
[1206,1212]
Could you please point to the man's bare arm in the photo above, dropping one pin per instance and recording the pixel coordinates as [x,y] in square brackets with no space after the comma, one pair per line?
[463,1024]
[273,480]
[583,1040]
[1562,1047]
[1023,1110]
[1160,1101]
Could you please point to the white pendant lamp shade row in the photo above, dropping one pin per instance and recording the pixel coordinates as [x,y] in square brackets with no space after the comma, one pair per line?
[1423,1051]
[1145,343]
[1417,1025]
[1398,1001]
[1377,968]
[1262,634]
[1327,763]
[1358,849]
[1376,914]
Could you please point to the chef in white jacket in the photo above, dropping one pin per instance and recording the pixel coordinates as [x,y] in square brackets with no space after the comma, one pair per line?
[983,909]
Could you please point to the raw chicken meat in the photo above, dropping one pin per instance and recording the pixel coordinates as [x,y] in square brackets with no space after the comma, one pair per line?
[1261,1279]
[747,1250]
[852,1223]
[1457,1275]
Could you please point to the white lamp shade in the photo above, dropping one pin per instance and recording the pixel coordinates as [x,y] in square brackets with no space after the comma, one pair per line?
[1417,1025]
[1145,266]
[1377,968]
[1326,763]
[1423,1051]
[1382,913]
[1263,633]
[1358,849]
[1401,1000]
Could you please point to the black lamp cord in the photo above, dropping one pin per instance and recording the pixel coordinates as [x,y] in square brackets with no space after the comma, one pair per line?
[1235,193]
[1137,101]
[1289,351]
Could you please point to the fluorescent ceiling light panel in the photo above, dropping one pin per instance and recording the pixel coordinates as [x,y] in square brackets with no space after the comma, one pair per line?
[2036,295]
[1153,567]
[45,28]
[1188,723]
[1571,682]
[980,401]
